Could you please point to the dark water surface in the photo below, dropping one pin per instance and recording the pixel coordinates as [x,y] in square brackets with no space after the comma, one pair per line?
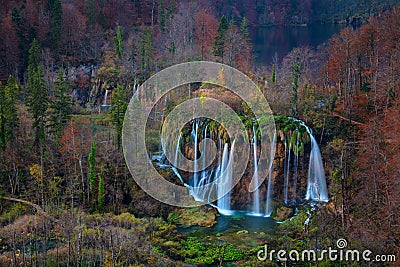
[239,229]
[277,41]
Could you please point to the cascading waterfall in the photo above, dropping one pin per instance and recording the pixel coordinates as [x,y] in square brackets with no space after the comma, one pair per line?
[270,191]
[316,185]
[203,152]
[220,176]
[198,192]
[296,167]
[105,97]
[174,169]
[268,200]
[288,150]
[256,194]
[194,134]
[224,182]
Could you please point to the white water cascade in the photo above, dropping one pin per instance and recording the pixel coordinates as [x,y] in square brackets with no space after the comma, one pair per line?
[316,184]
[105,97]
[175,164]
[224,182]
[296,166]
[270,190]
[256,194]
[268,200]
[194,135]
[220,175]
[288,151]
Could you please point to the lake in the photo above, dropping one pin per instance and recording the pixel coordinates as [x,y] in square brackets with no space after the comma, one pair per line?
[278,41]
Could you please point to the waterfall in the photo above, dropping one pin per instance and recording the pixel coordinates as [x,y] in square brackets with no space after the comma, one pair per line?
[199,193]
[105,97]
[224,182]
[256,194]
[287,170]
[270,191]
[203,152]
[222,178]
[195,130]
[219,178]
[175,165]
[268,202]
[296,167]
[316,185]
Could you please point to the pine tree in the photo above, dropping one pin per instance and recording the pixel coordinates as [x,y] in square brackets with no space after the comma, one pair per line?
[117,111]
[54,7]
[244,29]
[100,190]
[220,38]
[26,34]
[37,94]
[61,106]
[8,111]
[273,75]
[147,50]
[90,11]
[92,170]
[161,15]
[118,42]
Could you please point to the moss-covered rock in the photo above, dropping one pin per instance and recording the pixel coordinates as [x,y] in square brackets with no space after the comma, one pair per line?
[199,216]
[242,232]
[282,213]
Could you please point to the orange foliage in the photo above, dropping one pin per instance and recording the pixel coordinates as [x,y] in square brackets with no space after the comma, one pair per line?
[205,29]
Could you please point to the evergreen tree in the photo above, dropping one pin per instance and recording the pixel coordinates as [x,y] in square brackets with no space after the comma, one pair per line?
[244,28]
[118,42]
[61,106]
[117,112]
[147,50]
[8,111]
[26,34]
[273,75]
[54,8]
[220,38]
[90,11]
[161,15]
[172,48]
[100,193]
[34,53]
[92,170]
[37,93]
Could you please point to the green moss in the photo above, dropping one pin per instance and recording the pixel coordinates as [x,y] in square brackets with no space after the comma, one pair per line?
[196,252]
[159,251]
[232,253]
[173,217]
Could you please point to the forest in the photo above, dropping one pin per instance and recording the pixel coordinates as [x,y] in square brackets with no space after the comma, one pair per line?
[68,69]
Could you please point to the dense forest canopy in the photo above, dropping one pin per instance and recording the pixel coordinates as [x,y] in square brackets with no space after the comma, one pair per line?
[69,68]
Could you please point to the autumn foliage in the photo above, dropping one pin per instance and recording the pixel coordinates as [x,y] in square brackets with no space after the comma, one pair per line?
[362,67]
